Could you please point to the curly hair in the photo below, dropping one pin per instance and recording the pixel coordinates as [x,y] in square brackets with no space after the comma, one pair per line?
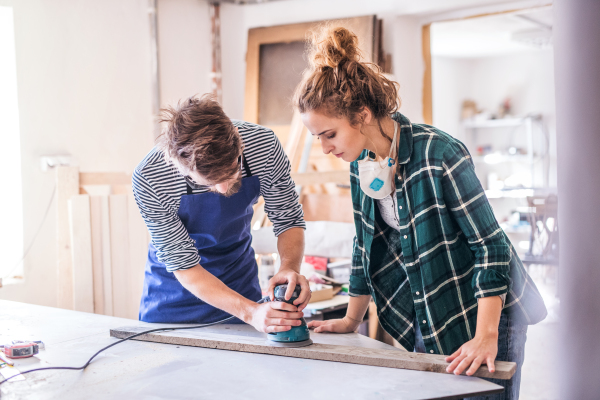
[198,136]
[339,83]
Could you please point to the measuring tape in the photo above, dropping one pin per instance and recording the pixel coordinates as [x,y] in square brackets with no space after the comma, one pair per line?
[19,349]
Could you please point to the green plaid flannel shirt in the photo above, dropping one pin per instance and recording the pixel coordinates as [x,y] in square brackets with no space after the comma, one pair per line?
[449,252]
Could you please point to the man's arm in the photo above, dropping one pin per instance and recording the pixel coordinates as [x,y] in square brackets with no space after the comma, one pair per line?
[284,210]
[290,245]
[265,317]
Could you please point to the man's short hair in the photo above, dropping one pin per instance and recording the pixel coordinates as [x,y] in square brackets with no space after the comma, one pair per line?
[198,136]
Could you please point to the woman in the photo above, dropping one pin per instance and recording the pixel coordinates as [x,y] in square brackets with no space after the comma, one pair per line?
[428,248]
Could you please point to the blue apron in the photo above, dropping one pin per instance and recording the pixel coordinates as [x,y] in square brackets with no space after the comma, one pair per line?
[220,227]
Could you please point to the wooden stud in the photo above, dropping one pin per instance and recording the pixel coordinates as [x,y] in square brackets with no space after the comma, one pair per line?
[316,351]
[107,257]
[81,250]
[100,226]
[67,184]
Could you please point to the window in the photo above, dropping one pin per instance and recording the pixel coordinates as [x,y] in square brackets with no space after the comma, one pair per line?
[11,202]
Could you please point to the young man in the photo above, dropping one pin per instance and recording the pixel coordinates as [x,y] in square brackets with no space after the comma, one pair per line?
[195,191]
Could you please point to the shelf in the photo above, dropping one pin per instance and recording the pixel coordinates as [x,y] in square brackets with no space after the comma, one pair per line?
[509,194]
[494,158]
[495,123]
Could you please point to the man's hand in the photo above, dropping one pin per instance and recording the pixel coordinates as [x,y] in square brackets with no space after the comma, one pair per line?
[292,278]
[481,350]
[268,317]
[341,325]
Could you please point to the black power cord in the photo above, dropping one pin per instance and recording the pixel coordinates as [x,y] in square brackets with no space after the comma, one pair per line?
[127,338]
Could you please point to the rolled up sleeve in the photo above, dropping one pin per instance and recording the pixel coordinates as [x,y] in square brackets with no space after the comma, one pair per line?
[467,203]
[358,283]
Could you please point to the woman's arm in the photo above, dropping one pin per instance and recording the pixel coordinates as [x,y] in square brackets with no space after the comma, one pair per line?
[484,347]
[357,307]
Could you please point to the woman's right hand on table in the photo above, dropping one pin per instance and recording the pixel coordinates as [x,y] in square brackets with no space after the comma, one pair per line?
[340,325]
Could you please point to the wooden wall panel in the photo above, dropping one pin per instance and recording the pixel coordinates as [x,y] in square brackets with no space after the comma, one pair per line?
[67,186]
[81,250]
[100,226]
[119,249]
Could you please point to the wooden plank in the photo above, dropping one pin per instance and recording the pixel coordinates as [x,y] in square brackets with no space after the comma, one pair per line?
[106,256]
[294,145]
[81,250]
[316,351]
[139,238]
[101,254]
[67,185]
[119,256]
[104,178]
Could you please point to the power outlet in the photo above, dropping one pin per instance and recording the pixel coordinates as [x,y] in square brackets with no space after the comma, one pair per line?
[50,162]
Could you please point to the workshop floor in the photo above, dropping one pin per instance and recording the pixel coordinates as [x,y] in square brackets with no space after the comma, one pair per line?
[539,379]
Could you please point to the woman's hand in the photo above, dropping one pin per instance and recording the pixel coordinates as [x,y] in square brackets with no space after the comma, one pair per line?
[481,350]
[269,317]
[340,325]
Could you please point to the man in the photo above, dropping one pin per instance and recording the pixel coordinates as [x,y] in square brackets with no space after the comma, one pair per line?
[195,191]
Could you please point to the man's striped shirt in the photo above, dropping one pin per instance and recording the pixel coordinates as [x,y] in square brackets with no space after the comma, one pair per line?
[450,244]
[158,187]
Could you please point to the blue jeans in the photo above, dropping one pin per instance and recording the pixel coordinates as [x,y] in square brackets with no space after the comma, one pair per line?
[511,347]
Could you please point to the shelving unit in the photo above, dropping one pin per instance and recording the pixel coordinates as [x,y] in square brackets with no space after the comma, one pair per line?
[476,129]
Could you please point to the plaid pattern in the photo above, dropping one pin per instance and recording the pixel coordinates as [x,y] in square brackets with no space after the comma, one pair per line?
[449,252]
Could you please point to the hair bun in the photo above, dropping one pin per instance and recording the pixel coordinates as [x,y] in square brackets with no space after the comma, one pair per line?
[332,45]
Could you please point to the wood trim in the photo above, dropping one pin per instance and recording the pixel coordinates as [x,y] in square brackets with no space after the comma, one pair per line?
[427,89]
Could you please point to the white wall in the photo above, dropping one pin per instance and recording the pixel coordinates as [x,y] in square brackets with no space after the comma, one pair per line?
[83,71]
[184,49]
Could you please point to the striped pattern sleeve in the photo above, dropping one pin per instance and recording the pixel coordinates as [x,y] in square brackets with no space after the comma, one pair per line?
[279,191]
[174,246]
[467,203]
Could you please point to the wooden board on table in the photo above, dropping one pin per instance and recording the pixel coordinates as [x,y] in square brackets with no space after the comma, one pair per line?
[81,250]
[316,351]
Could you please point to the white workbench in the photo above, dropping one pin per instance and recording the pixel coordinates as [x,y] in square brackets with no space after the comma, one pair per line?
[144,370]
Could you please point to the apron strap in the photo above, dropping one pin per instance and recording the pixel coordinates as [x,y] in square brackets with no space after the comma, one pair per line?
[246,167]
[189,188]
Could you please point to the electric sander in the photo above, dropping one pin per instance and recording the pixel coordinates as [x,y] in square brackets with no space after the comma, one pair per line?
[298,336]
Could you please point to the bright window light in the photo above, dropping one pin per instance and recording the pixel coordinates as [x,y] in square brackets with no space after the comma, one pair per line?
[11,202]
